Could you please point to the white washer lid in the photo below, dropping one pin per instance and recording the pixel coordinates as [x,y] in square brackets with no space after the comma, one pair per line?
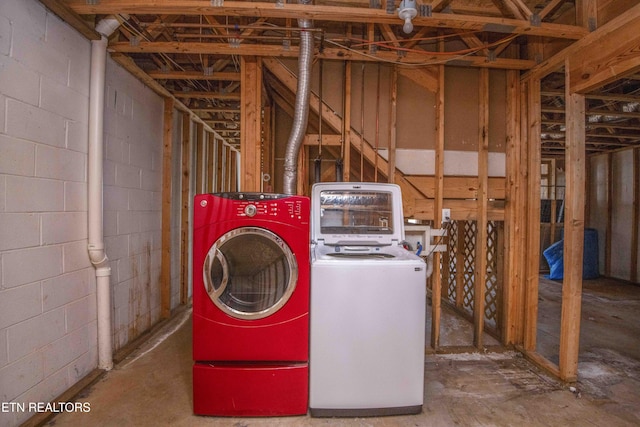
[356,213]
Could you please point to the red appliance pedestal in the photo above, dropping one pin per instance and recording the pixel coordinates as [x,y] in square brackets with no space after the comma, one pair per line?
[250,390]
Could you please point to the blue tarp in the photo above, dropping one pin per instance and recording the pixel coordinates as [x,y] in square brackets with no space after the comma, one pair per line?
[554,256]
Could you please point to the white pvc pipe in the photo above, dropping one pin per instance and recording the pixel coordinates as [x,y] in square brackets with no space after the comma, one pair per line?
[95,180]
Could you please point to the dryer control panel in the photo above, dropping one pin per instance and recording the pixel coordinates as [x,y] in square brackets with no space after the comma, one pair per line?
[283,208]
[288,209]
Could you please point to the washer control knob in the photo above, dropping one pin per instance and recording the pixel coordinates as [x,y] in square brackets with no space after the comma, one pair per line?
[250,210]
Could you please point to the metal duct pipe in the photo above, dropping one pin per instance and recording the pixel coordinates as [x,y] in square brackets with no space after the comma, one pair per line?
[301,113]
[95,246]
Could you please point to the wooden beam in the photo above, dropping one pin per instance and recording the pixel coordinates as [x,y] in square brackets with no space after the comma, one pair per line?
[268,153]
[425,77]
[185,200]
[327,140]
[481,228]
[550,8]
[608,238]
[200,153]
[587,14]
[620,34]
[531,117]
[635,221]
[68,15]
[346,124]
[573,236]
[457,187]
[194,75]
[210,142]
[515,216]
[617,55]
[250,123]
[278,51]
[219,181]
[461,210]
[438,204]
[167,160]
[325,13]
[208,95]
[393,100]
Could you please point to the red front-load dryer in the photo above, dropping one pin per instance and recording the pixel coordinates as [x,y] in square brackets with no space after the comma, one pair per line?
[250,304]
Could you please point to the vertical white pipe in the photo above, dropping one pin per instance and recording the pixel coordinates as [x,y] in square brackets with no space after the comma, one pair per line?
[96,249]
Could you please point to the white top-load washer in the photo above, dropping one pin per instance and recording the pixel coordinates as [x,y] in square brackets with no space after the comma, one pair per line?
[368,302]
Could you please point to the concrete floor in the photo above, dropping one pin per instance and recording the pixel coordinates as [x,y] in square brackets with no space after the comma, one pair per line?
[152,386]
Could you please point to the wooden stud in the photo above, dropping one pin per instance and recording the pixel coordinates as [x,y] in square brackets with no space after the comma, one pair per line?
[210,180]
[636,216]
[391,166]
[587,14]
[268,146]
[609,227]
[460,258]
[436,276]
[573,235]
[500,274]
[234,182]
[481,229]
[220,164]
[533,213]
[200,150]
[185,199]
[165,269]
[250,123]
[346,124]
[512,321]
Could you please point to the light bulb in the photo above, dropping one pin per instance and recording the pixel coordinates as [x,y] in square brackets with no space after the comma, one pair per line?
[408,26]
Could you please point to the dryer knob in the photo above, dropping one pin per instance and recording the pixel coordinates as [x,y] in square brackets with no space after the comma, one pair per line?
[250,210]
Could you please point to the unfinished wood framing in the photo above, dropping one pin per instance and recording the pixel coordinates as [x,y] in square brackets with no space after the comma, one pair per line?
[268,154]
[391,165]
[512,332]
[609,227]
[531,124]
[185,202]
[481,229]
[167,159]
[220,165]
[199,164]
[346,124]
[573,237]
[436,276]
[250,123]
[635,238]
[210,143]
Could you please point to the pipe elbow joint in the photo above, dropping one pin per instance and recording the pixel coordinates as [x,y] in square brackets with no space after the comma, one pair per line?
[99,259]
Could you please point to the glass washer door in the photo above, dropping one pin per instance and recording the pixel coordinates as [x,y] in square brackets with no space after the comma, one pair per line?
[250,273]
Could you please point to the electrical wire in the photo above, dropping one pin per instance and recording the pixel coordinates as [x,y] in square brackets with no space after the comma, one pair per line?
[457,54]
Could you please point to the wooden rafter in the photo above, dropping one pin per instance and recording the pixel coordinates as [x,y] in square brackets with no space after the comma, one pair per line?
[323,13]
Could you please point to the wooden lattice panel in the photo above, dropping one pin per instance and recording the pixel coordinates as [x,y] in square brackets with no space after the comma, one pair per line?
[458,269]
[450,260]
[491,295]
[469,257]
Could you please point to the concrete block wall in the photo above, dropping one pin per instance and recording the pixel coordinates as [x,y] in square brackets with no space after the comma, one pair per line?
[47,284]
[48,338]
[132,201]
